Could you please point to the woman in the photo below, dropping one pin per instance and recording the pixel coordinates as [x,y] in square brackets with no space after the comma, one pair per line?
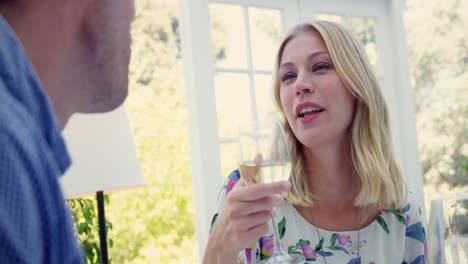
[348,202]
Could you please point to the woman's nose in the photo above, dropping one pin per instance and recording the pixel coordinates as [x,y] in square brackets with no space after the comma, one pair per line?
[304,86]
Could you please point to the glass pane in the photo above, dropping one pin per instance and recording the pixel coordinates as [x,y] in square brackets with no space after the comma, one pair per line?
[265,34]
[329,17]
[229,156]
[232,102]
[364,29]
[264,96]
[228,36]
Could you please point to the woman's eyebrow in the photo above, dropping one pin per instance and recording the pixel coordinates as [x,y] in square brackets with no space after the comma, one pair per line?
[310,57]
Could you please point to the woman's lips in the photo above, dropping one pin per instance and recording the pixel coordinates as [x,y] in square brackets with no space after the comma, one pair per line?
[308,117]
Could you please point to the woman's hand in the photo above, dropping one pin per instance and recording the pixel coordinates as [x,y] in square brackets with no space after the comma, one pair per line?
[243,219]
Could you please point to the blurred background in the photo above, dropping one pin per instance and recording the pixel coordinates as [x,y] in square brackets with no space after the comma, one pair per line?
[156,224]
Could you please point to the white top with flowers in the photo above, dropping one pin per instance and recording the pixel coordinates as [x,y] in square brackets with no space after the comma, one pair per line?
[393,237]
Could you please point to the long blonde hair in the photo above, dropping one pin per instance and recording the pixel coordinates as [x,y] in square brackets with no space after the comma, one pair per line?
[380,180]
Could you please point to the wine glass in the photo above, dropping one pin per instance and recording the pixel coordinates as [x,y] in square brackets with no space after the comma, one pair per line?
[264,157]
[449,234]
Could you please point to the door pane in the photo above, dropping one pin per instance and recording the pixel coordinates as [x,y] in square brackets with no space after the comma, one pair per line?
[265,34]
[364,29]
[232,102]
[329,17]
[229,154]
[228,35]
[264,96]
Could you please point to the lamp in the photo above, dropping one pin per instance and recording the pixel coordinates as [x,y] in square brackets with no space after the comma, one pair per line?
[103,159]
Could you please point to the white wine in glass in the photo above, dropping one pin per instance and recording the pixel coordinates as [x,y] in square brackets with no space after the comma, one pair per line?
[264,157]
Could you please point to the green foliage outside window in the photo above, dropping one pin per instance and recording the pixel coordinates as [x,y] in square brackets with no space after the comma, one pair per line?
[85,216]
[438,56]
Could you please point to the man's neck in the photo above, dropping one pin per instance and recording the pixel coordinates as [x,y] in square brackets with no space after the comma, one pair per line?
[44,42]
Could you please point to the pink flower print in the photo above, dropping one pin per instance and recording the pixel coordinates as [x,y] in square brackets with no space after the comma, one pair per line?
[425,248]
[268,246]
[308,251]
[230,185]
[408,218]
[343,239]
[248,254]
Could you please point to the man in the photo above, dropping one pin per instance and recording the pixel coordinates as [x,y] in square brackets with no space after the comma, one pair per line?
[57,57]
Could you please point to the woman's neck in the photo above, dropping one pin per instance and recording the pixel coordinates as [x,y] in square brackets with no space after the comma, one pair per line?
[332,177]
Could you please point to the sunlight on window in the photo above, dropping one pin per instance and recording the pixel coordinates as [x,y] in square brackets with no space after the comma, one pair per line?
[330,17]
[264,94]
[233,38]
[229,158]
[232,102]
[364,29]
[265,34]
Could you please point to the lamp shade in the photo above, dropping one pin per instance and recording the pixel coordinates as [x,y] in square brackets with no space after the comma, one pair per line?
[103,154]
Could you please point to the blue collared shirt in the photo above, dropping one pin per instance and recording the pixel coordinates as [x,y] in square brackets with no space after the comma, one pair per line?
[35,223]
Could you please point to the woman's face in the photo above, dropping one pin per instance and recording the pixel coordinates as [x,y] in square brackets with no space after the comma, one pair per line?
[318,106]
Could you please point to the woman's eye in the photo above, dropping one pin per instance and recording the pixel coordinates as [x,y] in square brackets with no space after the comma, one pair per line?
[287,76]
[321,66]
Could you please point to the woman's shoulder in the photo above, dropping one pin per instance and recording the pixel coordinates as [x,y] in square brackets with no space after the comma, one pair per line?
[409,213]
[412,204]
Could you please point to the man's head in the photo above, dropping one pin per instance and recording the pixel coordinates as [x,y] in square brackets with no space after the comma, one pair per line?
[80,50]
[105,41]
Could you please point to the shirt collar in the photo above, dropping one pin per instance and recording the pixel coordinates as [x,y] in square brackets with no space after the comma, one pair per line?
[21,81]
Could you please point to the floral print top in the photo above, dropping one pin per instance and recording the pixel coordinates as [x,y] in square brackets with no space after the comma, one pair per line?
[393,237]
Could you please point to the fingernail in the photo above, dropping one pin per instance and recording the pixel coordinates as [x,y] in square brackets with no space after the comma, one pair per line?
[286,185]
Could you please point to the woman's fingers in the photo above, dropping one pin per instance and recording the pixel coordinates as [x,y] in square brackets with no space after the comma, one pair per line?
[255,198]
[251,227]
[257,219]
[253,234]
[246,213]
[242,208]
[239,184]
[257,191]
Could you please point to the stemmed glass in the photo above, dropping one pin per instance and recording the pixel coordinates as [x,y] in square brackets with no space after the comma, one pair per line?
[448,225]
[264,157]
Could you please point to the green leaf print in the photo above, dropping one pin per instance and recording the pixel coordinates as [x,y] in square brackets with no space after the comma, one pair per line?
[213,221]
[333,239]
[400,218]
[297,249]
[341,248]
[319,245]
[291,249]
[282,227]
[302,242]
[382,223]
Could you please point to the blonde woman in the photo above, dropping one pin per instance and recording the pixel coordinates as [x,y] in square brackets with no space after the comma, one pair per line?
[348,202]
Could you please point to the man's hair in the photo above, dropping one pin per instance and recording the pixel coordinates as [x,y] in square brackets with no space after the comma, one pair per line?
[8,3]
[380,180]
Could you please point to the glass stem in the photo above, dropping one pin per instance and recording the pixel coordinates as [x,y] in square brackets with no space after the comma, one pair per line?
[278,249]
